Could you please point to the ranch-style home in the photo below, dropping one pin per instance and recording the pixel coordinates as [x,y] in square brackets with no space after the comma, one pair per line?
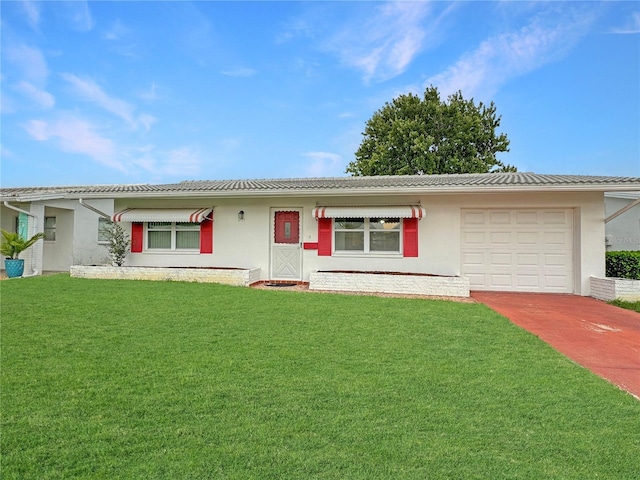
[521,232]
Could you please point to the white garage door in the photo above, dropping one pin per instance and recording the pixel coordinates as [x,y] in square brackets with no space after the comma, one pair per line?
[518,250]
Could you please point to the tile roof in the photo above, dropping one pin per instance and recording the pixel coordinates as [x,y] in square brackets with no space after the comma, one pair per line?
[341,185]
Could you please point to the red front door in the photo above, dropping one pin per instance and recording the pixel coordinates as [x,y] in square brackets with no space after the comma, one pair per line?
[286,251]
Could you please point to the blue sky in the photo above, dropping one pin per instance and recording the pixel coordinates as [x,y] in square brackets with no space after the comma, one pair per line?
[157,92]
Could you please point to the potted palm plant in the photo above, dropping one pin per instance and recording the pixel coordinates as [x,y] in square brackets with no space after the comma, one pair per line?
[12,245]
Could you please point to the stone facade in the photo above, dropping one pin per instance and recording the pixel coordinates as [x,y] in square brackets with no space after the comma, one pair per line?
[227,276]
[390,283]
[608,289]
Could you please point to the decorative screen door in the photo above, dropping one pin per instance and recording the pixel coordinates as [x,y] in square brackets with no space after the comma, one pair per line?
[286,254]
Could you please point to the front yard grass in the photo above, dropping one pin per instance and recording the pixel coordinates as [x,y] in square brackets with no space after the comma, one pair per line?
[143,380]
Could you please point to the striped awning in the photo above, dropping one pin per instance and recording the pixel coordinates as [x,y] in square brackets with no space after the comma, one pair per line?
[385,211]
[190,215]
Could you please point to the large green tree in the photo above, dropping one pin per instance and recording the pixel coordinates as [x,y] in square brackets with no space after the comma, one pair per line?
[414,135]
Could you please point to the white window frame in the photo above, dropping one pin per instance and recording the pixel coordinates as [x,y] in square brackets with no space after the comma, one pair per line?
[367,239]
[51,229]
[102,222]
[174,228]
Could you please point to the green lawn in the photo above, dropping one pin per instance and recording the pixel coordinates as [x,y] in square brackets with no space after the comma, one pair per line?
[145,380]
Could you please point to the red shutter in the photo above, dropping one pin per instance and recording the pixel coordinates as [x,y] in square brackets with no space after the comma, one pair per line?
[410,234]
[137,235]
[324,237]
[206,236]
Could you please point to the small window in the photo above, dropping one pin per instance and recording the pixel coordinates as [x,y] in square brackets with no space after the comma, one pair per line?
[384,234]
[187,235]
[50,228]
[173,236]
[102,225]
[349,234]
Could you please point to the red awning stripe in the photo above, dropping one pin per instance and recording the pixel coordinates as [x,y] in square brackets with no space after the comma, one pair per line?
[188,215]
[117,217]
[384,211]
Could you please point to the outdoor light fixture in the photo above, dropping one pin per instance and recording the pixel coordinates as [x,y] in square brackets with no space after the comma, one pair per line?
[241,216]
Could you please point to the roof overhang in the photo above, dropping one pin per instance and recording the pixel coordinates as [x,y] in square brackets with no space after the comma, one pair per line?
[188,215]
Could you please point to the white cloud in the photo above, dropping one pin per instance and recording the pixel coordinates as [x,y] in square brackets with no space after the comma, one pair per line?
[497,60]
[146,121]
[37,96]
[239,72]
[76,13]
[323,164]
[116,32]
[184,162]
[75,135]
[32,9]
[632,26]
[92,92]
[29,61]
[383,45]
[151,94]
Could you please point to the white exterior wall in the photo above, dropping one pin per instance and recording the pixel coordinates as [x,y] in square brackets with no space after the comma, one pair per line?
[246,244]
[58,253]
[76,240]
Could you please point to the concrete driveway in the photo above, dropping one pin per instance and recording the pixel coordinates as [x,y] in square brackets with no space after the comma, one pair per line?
[603,338]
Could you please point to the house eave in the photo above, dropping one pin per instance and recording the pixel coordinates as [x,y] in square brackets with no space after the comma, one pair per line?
[387,191]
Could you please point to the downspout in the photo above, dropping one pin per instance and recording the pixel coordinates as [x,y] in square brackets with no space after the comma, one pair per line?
[11,207]
[94,209]
[619,212]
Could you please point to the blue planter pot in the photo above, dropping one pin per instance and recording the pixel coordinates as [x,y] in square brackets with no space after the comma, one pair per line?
[14,267]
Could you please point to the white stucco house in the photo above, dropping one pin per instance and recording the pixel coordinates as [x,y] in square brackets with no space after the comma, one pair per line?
[508,232]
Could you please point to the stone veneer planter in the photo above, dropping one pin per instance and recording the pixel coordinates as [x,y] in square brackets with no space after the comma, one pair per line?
[390,282]
[609,288]
[228,276]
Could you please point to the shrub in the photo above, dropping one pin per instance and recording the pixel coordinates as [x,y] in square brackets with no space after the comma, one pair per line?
[623,264]
[119,242]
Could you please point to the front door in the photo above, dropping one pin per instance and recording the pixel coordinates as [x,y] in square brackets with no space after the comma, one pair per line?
[286,254]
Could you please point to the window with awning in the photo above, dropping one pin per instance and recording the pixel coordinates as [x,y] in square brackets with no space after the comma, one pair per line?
[368,229]
[169,229]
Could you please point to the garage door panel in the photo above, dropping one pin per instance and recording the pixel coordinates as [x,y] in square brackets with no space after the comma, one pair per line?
[473,259]
[500,217]
[499,238]
[531,260]
[556,238]
[555,217]
[561,260]
[526,218]
[528,281]
[473,218]
[471,238]
[500,259]
[518,250]
[502,281]
[556,281]
[476,280]
[528,238]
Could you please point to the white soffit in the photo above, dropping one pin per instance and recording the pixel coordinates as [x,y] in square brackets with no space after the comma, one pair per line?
[386,211]
[163,215]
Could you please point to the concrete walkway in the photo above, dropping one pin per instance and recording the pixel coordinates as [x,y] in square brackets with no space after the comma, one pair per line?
[603,338]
